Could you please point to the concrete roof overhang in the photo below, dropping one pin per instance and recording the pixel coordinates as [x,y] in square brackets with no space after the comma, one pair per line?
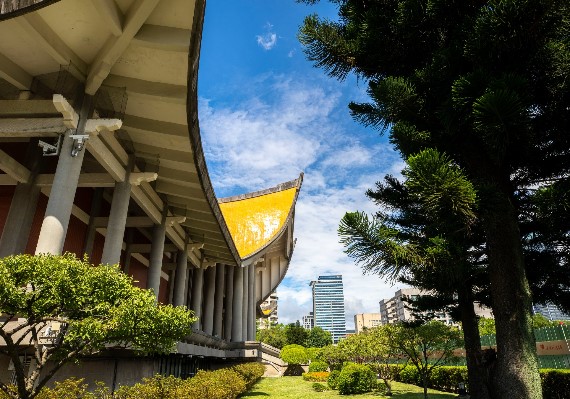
[150,49]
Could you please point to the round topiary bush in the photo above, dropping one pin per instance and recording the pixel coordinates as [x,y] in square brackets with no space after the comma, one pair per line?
[333,379]
[318,366]
[356,378]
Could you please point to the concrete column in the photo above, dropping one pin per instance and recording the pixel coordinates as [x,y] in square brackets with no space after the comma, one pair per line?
[237,305]
[188,288]
[209,293]
[117,223]
[219,300]
[251,304]
[156,255]
[228,303]
[181,275]
[246,304]
[58,211]
[197,294]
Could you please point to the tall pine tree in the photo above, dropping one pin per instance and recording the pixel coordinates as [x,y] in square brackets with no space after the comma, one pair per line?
[484,81]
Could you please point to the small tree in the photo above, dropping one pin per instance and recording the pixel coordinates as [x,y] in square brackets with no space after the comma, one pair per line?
[66,308]
[294,355]
[427,346]
[318,338]
[274,336]
[295,334]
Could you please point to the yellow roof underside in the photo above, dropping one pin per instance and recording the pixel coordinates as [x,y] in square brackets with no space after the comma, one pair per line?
[253,222]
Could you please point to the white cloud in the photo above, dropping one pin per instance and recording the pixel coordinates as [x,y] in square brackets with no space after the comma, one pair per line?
[268,40]
[269,138]
[291,53]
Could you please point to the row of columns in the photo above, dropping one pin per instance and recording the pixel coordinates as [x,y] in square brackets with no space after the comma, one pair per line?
[223,298]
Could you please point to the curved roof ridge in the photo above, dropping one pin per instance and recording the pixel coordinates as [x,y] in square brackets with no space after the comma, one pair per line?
[296,183]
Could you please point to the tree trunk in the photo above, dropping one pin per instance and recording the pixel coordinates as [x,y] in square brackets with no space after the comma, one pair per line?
[516,371]
[476,371]
[424,380]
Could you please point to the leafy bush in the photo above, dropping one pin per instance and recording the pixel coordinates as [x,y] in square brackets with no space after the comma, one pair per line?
[316,376]
[218,384]
[409,375]
[555,383]
[294,354]
[157,387]
[318,366]
[333,379]
[317,386]
[250,372]
[446,378]
[356,378]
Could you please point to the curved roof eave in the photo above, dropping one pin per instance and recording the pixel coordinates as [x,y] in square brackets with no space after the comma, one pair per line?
[194,128]
[288,220]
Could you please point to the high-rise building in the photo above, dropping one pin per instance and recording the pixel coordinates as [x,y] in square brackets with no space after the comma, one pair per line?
[363,321]
[328,305]
[550,311]
[309,321]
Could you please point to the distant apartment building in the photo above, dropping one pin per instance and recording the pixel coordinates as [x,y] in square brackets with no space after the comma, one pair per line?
[551,312]
[328,305]
[364,321]
[309,321]
[269,308]
[397,309]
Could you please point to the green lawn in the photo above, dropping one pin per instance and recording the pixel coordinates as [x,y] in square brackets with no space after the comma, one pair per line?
[296,388]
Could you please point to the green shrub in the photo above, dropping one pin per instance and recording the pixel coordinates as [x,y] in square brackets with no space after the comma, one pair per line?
[333,379]
[157,387]
[409,375]
[294,354]
[446,378]
[317,386]
[555,383]
[316,376]
[318,366]
[218,384]
[356,378]
[250,372]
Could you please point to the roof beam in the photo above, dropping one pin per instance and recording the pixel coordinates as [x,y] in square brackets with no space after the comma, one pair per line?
[13,168]
[13,74]
[144,150]
[31,127]
[179,190]
[163,38]
[106,158]
[27,108]
[132,221]
[112,15]
[40,32]
[136,16]
[153,125]
[165,92]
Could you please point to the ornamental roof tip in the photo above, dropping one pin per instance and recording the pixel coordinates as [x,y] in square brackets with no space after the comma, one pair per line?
[256,220]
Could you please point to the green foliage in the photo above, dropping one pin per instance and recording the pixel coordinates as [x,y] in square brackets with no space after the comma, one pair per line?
[318,366]
[332,381]
[294,354]
[95,306]
[317,386]
[314,353]
[218,384]
[250,372]
[333,356]
[157,387]
[318,338]
[273,336]
[296,334]
[355,379]
[486,326]
[539,321]
[555,383]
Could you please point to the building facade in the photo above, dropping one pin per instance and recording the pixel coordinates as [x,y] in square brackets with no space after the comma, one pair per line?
[328,305]
[308,321]
[397,308]
[101,155]
[364,321]
[551,312]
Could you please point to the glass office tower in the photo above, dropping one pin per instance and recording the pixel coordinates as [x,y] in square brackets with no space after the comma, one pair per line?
[328,305]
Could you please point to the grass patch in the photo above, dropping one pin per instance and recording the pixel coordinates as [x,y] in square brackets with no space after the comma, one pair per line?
[296,388]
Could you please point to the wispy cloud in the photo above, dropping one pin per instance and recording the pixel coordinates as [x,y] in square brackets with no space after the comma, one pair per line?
[267,40]
[293,125]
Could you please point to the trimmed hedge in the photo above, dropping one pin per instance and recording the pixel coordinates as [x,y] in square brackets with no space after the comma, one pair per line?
[356,378]
[316,376]
[226,383]
[318,366]
[555,382]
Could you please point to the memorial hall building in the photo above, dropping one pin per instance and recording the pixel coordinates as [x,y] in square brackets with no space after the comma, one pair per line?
[100,155]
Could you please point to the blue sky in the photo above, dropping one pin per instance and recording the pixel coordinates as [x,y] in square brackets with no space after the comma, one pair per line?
[266,114]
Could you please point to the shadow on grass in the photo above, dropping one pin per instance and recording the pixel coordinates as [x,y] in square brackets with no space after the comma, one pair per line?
[417,395]
[252,394]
